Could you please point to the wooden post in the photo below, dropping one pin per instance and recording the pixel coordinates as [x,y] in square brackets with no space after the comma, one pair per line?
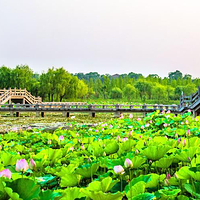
[42,114]
[117,113]
[37,113]
[11,113]
[68,114]
[64,113]
[17,114]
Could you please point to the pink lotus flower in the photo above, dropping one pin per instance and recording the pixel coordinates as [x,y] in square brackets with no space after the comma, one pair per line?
[165,125]
[72,148]
[77,134]
[186,122]
[163,112]
[131,116]
[168,111]
[21,165]
[184,143]
[182,123]
[49,141]
[118,138]
[179,140]
[121,116]
[32,164]
[176,135]
[166,137]
[124,139]
[140,136]
[139,119]
[5,173]
[96,131]
[61,138]
[110,126]
[128,163]
[142,127]
[188,132]
[147,125]
[130,133]
[150,121]
[82,147]
[168,176]
[118,169]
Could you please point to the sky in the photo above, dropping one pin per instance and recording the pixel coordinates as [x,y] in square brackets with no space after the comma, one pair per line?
[104,36]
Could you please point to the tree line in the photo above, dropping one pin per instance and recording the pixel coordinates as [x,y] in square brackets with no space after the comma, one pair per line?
[57,84]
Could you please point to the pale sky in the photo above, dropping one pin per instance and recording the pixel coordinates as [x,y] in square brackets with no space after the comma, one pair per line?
[107,36]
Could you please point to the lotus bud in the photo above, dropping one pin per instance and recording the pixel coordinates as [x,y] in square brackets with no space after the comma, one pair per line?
[124,139]
[168,176]
[145,144]
[175,176]
[165,125]
[163,112]
[77,134]
[49,141]
[184,143]
[32,164]
[131,116]
[5,173]
[166,137]
[188,132]
[82,147]
[176,135]
[21,165]
[70,125]
[150,121]
[139,119]
[103,145]
[118,169]
[118,137]
[196,119]
[189,110]
[140,136]
[182,123]
[96,130]
[121,116]
[136,152]
[186,122]
[128,163]
[150,162]
[130,133]
[147,125]
[72,148]
[168,111]
[104,154]
[0,147]
[110,126]
[89,160]
[142,127]
[179,140]
[189,159]
[61,138]
[166,182]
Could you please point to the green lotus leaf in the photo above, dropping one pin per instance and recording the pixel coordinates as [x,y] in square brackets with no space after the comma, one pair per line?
[88,170]
[194,190]
[195,161]
[47,179]
[182,197]
[104,185]
[111,147]
[10,194]
[72,193]
[136,189]
[138,161]
[169,193]
[183,173]
[153,182]
[155,152]
[164,162]
[49,195]
[145,196]
[104,196]
[173,181]
[19,185]
[187,154]
[195,172]
[8,159]
[69,180]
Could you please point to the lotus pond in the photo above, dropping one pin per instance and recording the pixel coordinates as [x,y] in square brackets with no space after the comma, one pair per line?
[157,157]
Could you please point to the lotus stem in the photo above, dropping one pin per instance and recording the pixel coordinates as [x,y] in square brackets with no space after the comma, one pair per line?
[130,182]
[121,182]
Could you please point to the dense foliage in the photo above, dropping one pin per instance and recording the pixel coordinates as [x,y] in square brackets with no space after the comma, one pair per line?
[157,157]
[60,85]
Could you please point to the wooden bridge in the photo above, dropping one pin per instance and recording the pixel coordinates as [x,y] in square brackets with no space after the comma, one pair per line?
[28,103]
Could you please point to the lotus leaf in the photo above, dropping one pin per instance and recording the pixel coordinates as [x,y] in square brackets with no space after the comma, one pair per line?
[187,153]
[164,162]
[104,196]
[169,193]
[88,170]
[111,147]
[183,173]
[136,189]
[195,172]
[72,193]
[138,161]
[155,152]
[194,190]
[50,195]
[104,185]
[145,196]
[18,187]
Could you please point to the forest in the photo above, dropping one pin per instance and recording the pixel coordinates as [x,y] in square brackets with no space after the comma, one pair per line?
[57,84]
